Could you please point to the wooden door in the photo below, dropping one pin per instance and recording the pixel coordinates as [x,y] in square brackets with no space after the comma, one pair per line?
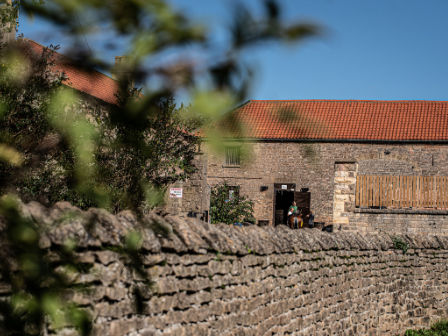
[303,202]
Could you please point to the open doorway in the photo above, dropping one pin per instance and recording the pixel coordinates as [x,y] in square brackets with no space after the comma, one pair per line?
[283,198]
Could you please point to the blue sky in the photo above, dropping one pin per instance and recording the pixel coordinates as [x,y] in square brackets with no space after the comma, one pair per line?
[382,49]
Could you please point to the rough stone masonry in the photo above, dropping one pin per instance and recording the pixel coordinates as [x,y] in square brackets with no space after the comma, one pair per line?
[316,166]
[224,280]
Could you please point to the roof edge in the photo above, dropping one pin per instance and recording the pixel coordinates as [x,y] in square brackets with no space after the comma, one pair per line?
[332,140]
[224,114]
[346,101]
[71,59]
[237,107]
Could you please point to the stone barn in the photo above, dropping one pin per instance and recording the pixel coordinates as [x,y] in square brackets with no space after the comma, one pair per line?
[359,165]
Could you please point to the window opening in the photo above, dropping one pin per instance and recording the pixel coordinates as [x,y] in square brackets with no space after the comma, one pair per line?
[233,156]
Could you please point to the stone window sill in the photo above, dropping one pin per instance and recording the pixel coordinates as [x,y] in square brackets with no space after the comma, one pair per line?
[230,166]
[402,211]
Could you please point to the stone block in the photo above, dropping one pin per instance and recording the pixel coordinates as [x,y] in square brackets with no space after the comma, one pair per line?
[349,206]
[345,180]
[340,220]
[338,206]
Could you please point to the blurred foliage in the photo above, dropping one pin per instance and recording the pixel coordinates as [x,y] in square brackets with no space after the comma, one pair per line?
[138,162]
[54,147]
[9,17]
[36,281]
[39,280]
[65,142]
[228,206]
[111,159]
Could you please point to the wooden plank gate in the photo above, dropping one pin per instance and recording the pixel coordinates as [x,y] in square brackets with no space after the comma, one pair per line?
[403,191]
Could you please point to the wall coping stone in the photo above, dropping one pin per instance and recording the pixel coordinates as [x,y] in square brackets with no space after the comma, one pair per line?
[197,237]
[402,211]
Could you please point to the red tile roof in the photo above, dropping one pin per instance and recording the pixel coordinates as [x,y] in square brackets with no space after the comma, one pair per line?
[336,120]
[83,79]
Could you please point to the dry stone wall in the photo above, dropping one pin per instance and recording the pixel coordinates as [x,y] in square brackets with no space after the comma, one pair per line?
[224,280]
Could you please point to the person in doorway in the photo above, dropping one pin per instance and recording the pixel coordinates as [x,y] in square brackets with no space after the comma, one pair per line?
[293,208]
[293,211]
[310,220]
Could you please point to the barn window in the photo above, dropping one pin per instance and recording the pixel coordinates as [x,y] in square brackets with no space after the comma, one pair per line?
[232,156]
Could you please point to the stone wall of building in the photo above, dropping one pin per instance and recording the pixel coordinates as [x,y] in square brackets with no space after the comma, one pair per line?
[196,188]
[386,167]
[313,166]
[196,193]
[225,280]
[393,221]
[398,221]
[344,193]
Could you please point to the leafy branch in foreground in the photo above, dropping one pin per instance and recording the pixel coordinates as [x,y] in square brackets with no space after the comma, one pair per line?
[53,147]
[36,285]
[86,156]
[37,277]
[89,156]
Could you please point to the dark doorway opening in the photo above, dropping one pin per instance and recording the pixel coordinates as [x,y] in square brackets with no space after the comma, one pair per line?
[284,195]
[283,198]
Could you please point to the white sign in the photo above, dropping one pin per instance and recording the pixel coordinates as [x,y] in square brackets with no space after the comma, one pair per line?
[175,192]
[284,186]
